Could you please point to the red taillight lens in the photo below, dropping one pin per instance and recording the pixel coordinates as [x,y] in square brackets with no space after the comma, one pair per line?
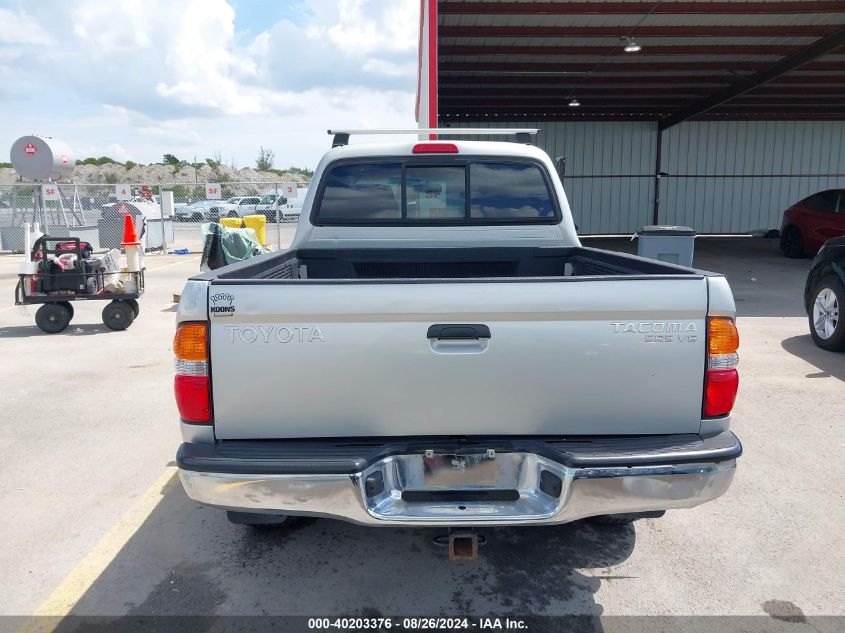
[720,391]
[191,385]
[192,398]
[435,148]
[721,379]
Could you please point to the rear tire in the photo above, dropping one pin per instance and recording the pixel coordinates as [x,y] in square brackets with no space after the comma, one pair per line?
[232,214]
[136,309]
[825,313]
[117,315]
[68,306]
[625,519]
[792,243]
[52,318]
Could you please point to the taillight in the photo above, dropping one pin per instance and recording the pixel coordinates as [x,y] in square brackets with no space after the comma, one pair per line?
[190,345]
[721,378]
[435,148]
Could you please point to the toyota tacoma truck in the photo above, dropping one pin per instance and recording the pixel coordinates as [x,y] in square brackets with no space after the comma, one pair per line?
[438,348]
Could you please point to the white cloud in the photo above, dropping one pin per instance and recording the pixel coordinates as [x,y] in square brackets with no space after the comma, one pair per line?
[146,77]
[17,27]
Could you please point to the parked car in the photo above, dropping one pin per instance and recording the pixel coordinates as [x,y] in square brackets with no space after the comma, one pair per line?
[824,294]
[454,345]
[281,209]
[269,204]
[197,211]
[811,222]
[238,206]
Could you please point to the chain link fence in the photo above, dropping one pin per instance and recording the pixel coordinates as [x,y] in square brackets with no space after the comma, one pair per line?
[95,214]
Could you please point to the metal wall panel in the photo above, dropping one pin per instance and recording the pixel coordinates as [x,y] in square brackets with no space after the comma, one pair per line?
[723,176]
[739,176]
[609,169]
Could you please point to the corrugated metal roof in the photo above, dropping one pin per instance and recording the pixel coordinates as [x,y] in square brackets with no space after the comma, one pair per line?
[554,51]
[696,19]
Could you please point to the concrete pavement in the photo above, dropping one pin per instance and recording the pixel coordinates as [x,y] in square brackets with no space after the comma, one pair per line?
[89,430]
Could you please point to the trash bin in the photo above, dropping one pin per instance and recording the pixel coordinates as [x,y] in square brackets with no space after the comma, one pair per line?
[673,244]
[258,223]
[232,223]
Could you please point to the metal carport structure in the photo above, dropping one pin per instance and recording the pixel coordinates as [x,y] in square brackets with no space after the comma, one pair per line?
[729,113]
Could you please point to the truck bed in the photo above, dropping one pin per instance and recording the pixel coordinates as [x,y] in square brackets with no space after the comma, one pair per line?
[443,263]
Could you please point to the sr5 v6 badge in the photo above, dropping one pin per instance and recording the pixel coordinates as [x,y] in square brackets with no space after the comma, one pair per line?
[658,331]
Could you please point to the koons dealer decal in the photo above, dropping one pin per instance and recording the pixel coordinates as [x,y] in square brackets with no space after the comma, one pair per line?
[222,305]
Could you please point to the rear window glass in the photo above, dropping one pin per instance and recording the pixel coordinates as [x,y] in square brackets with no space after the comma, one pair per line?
[363,192]
[466,192]
[507,190]
[436,192]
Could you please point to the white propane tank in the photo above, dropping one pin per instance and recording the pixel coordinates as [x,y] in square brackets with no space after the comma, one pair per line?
[42,158]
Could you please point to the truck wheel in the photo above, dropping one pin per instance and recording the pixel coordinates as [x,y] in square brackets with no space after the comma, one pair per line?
[52,318]
[792,243]
[825,316]
[117,315]
[232,214]
[68,306]
[625,519]
[136,309]
[257,519]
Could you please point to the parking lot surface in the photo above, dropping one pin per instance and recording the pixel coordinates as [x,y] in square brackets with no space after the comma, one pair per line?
[96,521]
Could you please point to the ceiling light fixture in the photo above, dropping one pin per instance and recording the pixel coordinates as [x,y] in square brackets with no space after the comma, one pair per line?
[631,45]
[574,103]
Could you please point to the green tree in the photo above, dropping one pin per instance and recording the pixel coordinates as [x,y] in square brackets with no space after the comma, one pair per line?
[111,178]
[129,164]
[304,171]
[265,159]
[180,193]
[102,160]
[170,159]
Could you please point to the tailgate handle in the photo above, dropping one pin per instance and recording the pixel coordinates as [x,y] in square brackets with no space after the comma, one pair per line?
[458,331]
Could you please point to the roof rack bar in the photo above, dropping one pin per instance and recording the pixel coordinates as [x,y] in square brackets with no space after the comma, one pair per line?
[523,135]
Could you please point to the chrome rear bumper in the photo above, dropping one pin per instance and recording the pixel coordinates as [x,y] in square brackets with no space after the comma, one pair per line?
[485,488]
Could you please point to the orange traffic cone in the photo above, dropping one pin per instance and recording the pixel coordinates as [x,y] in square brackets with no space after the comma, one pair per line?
[132,245]
[130,236]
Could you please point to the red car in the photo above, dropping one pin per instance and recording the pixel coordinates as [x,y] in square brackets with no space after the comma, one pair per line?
[813,221]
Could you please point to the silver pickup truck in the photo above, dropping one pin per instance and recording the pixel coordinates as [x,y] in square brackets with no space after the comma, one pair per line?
[437,348]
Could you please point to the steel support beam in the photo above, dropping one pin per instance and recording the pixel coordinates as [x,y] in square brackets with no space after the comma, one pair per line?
[779,50]
[461,80]
[636,8]
[808,54]
[663,30]
[632,67]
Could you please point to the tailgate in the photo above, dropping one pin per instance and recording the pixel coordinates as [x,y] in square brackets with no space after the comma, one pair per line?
[578,357]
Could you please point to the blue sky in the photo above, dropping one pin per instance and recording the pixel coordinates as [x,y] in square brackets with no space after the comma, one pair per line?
[134,79]
[253,16]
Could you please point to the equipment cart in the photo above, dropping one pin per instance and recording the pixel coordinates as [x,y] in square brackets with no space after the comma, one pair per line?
[70,276]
